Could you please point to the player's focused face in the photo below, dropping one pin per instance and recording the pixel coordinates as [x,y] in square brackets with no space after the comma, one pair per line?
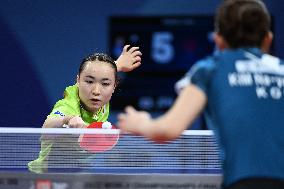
[96,84]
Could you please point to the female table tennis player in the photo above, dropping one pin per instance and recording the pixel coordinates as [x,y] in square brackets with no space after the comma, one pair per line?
[88,100]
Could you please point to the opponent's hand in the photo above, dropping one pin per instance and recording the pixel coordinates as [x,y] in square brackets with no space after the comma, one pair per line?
[137,122]
[129,59]
[76,122]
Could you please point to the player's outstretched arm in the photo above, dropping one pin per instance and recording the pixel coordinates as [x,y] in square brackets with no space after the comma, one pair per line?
[58,122]
[185,110]
[129,59]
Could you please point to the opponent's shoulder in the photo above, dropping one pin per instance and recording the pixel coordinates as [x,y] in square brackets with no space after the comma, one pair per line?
[199,74]
[203,68]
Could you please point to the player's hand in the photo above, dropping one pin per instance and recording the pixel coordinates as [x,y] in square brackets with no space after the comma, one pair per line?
[129,59]
[76,122]
[134,121]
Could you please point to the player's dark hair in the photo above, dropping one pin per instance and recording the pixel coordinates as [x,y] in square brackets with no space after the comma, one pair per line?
[242,23]
[102,58]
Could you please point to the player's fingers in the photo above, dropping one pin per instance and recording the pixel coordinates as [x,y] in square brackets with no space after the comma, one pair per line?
[120,117]
[125,48]
[84,125]
[132,49]
[136,65]
[72,125]
[130,110]
[137,53]
[121,121]
[78,125]
[138,59]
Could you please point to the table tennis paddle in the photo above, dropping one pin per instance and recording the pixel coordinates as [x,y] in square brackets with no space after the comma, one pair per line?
[99,142]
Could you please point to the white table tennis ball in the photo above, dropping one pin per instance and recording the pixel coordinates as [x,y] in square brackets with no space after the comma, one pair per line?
[106,125]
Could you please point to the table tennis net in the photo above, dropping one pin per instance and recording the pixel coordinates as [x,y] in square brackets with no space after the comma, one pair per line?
[195,151]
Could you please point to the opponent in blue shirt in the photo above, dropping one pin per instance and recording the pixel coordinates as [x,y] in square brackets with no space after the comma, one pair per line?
[241,91]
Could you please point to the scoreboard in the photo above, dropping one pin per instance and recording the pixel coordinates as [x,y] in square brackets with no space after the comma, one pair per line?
[170,46]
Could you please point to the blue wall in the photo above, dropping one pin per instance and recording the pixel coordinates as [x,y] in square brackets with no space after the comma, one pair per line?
[42,43]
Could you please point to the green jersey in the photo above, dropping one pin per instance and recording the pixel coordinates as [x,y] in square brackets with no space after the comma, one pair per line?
[69,105]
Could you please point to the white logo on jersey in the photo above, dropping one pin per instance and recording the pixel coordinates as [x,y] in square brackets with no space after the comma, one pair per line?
[265,73]
[266,64]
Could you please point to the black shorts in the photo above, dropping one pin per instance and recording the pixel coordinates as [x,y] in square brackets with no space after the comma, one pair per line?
[257,183]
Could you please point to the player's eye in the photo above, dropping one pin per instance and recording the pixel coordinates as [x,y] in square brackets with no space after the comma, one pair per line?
[89,81]
[105,84]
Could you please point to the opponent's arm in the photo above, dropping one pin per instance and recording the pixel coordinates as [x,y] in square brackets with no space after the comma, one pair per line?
[185,110]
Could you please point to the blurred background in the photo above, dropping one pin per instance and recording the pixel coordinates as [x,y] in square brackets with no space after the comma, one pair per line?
[43,42]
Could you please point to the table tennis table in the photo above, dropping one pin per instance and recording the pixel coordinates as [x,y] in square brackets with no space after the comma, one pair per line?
[191,161]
